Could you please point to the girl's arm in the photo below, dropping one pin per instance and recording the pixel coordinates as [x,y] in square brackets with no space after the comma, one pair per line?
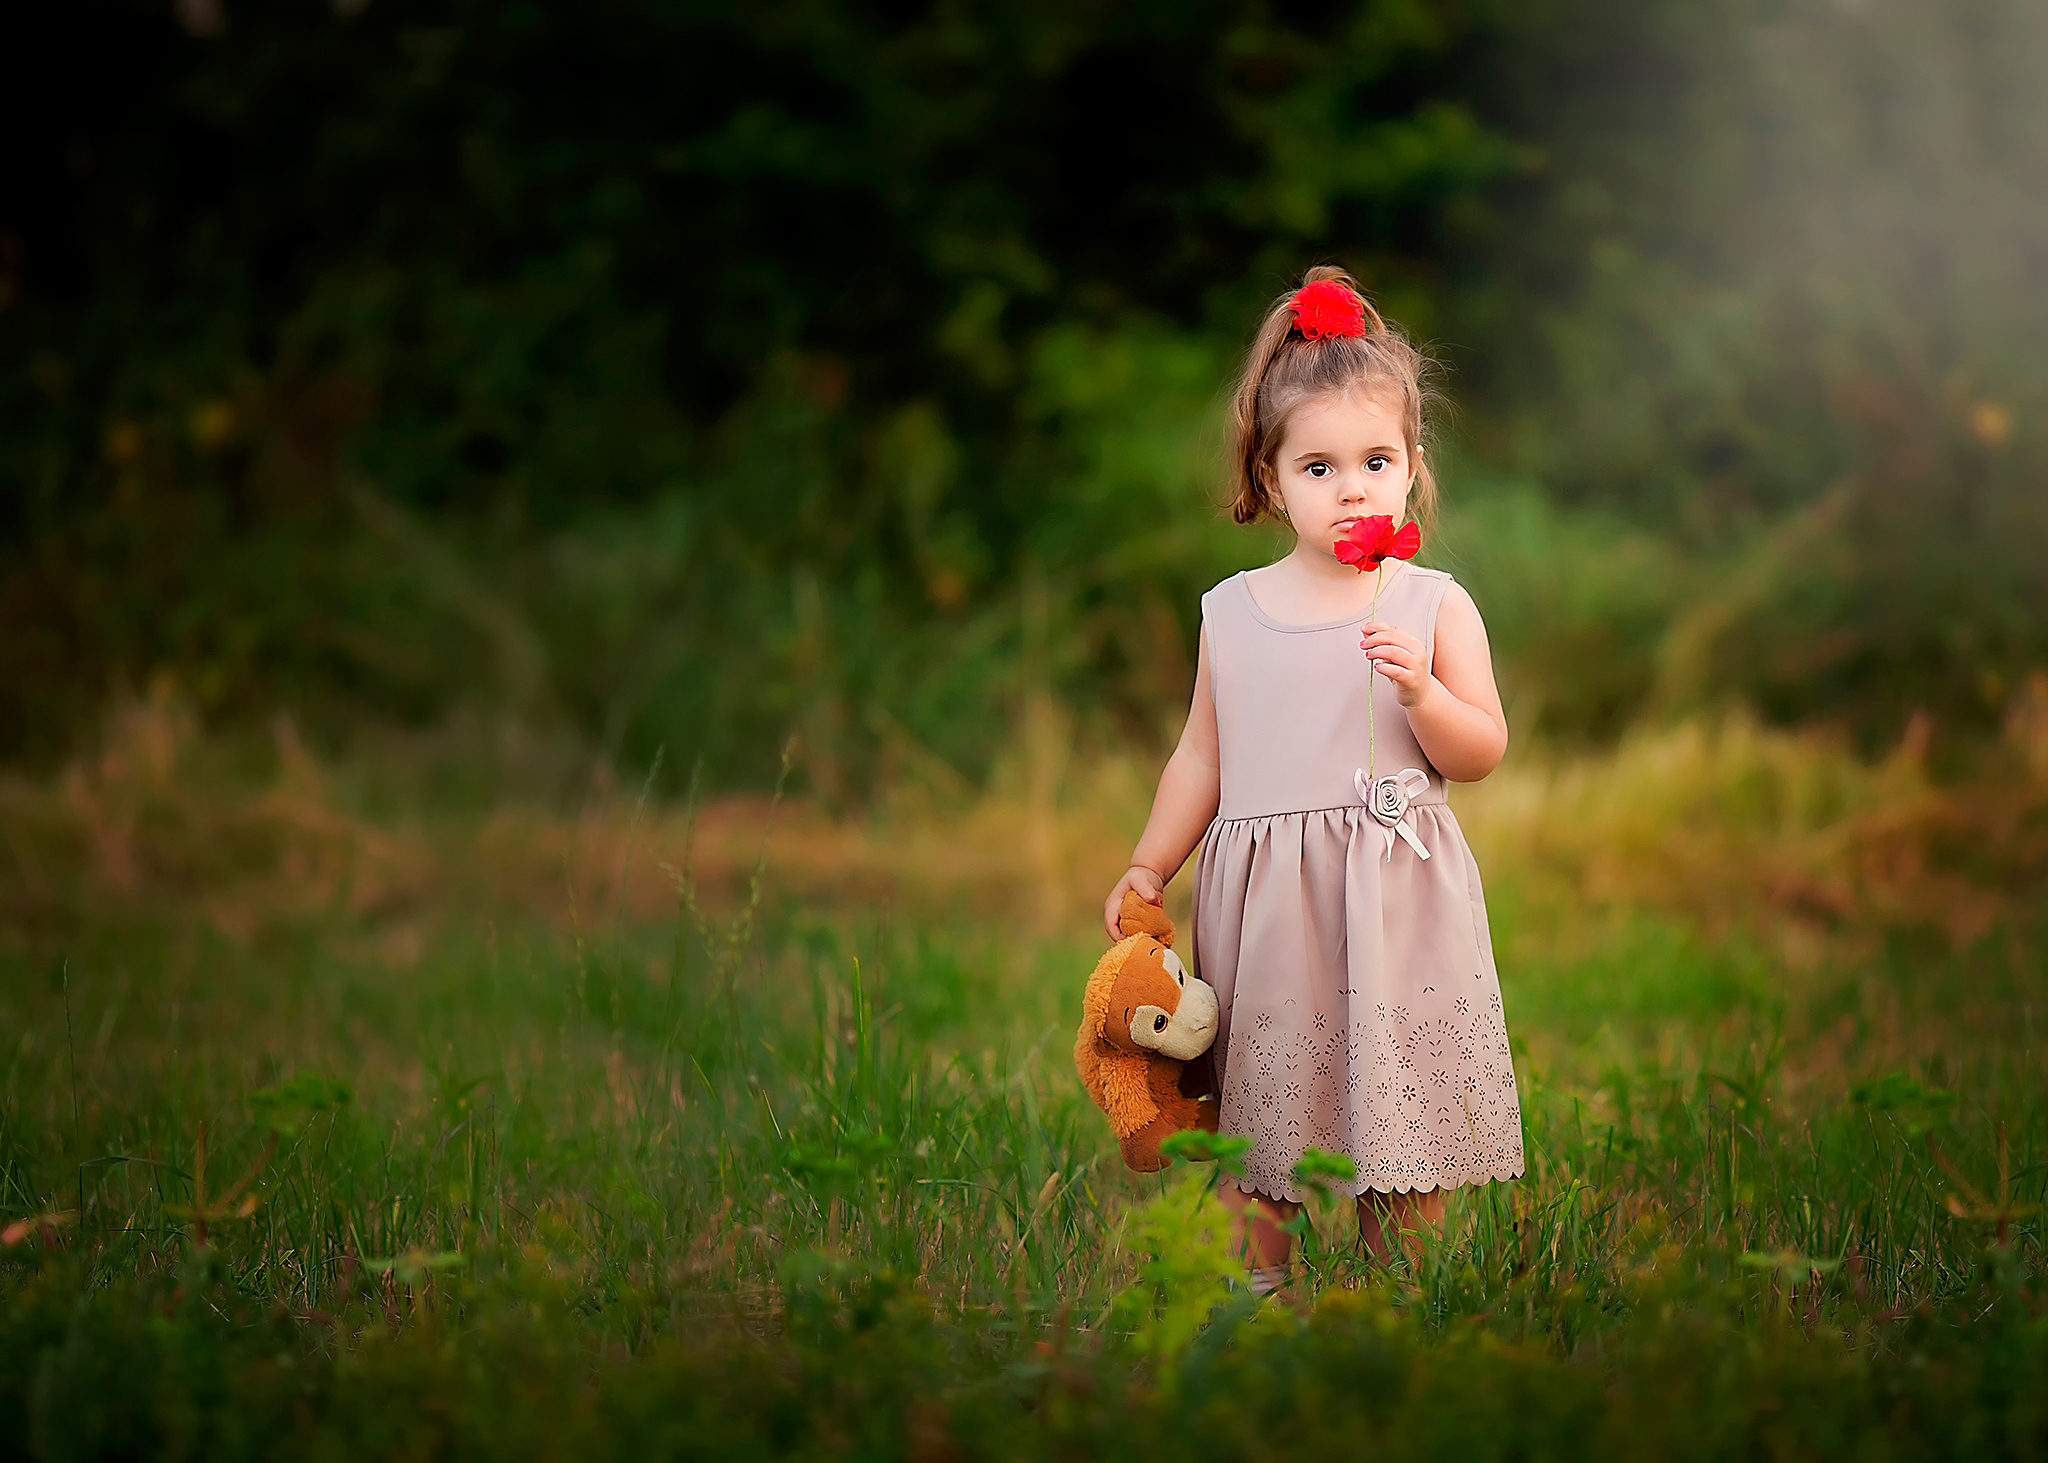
[1455,711]
[1189,789]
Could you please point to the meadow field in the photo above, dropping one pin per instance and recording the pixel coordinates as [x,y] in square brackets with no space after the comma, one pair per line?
[342,1117]
[591,597]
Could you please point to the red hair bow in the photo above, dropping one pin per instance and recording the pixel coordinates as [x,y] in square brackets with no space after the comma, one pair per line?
[1326,310]
[1371,541]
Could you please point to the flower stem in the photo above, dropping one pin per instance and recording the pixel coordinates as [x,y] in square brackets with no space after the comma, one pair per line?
[1372,690]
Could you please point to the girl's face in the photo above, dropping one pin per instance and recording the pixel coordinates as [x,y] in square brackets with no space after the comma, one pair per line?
[1342,458]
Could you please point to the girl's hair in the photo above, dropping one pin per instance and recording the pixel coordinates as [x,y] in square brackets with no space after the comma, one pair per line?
[1284,371]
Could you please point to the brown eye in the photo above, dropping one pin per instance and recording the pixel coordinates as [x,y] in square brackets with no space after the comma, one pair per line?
[1159,1023]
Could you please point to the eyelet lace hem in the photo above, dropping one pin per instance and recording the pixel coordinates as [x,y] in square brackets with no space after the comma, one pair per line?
[1416,1104]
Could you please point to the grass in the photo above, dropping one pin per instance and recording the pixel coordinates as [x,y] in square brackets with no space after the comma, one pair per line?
[323,1132]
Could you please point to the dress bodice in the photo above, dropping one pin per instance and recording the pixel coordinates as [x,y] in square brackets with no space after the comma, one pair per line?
[1291,700]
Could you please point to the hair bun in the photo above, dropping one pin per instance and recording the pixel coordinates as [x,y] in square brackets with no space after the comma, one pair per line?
[1326,310]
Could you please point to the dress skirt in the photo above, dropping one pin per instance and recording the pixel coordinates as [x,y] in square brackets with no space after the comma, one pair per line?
[1361,1011]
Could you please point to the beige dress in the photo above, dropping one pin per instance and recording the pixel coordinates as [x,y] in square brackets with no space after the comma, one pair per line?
[1360,1008]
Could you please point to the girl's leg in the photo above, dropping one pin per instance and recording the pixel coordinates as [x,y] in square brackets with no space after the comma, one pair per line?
[1406,1219]
[1255,1232]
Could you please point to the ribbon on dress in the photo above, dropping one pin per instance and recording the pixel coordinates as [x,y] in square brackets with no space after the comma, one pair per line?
[1391,801]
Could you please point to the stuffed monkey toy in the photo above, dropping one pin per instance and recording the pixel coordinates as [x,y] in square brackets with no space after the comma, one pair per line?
[1144,1019]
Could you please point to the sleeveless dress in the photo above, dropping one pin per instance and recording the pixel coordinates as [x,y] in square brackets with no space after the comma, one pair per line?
[1360,1009]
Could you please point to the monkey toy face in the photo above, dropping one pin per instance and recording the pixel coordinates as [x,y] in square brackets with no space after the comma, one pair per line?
[1156,1006]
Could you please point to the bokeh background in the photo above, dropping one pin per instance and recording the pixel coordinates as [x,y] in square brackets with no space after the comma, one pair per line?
[591,596]
[666,375]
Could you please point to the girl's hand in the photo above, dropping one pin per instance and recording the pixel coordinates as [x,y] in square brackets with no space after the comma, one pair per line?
[1399,657]
[1136,877]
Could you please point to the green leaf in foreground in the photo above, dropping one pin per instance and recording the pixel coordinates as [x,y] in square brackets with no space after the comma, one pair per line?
[414,1266]
[1317,1170]
[288,1107]
[1913,1106]
[1226,1150]
[1789,1265]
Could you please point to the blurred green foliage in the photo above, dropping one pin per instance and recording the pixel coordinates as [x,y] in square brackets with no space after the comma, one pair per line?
[683,374]
[863,1370]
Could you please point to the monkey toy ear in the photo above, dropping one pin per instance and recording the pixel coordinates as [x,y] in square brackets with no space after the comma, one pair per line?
[1137,917]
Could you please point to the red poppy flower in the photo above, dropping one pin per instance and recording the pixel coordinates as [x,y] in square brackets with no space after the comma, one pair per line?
[1371,541]
[1326,310]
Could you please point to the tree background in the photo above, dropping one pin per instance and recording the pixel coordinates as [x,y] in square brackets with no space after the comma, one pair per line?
[651,374]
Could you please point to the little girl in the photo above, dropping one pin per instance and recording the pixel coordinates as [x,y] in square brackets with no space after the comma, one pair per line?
[1348,946]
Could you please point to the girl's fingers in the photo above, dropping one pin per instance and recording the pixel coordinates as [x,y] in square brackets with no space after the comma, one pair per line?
[1141,882]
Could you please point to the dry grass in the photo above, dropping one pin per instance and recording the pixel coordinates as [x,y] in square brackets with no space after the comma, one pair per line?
[1725,824]
[157,815]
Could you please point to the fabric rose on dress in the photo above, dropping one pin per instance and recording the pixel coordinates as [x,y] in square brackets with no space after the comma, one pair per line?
[1388,802]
